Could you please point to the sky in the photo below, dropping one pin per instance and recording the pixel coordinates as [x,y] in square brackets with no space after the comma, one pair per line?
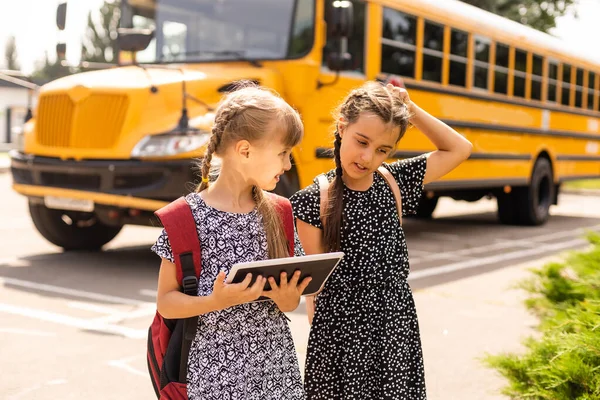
[33,23]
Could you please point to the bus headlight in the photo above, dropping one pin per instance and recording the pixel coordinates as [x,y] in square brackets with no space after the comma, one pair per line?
[169,144]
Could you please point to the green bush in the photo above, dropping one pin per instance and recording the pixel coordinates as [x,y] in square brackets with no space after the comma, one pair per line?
[563,362]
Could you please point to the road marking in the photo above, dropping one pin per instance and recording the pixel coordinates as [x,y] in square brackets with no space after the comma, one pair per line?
[124,365]
[480,262]
[122,316]
[419,252]
[14,262]
[148,292]
[92,307]
[505,244]
[440,236]
[74,322]
[22,393]
[28,332]
[71,292]
[440,256]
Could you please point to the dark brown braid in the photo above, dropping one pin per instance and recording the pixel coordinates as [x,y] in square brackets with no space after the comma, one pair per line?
[335,207]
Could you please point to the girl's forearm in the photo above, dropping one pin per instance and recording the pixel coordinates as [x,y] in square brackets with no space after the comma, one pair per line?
[175,305]
[440,134]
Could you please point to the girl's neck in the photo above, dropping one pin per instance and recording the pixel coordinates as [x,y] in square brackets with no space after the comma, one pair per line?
[360,185]
[229,193]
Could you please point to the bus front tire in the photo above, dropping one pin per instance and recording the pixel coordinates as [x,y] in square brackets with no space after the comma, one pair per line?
[529,205]
[60,228]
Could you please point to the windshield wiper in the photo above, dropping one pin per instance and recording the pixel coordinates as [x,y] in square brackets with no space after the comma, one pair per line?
[239,55]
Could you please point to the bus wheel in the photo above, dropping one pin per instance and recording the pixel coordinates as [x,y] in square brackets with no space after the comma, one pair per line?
[508,211]
[426,207]
[529,205]
[535,200]
[63,229]
[288,183]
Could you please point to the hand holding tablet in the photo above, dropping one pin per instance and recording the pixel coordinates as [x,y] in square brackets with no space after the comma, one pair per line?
[316,266]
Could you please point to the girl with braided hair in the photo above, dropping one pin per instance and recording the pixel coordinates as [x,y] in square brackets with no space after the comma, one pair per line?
[242,349]
[364,341]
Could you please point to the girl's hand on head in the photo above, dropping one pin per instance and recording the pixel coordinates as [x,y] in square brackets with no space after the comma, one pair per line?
[231,294]
[287,294]
[400,93]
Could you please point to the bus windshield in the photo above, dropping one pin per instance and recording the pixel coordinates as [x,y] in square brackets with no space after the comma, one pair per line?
[213,30]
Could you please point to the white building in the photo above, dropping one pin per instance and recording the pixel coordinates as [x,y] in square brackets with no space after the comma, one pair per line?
[14,98]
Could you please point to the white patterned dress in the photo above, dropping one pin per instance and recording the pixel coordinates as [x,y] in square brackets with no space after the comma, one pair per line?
[364,342]
[246,351]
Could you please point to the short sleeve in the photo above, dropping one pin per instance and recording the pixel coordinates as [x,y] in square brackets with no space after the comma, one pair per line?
[162,247]
[306,205]
[409,173]
[298,249]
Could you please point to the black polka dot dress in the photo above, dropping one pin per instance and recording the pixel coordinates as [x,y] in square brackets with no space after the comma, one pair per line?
[364,342]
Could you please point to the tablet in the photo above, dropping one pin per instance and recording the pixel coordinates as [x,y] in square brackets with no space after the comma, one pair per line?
[317,266]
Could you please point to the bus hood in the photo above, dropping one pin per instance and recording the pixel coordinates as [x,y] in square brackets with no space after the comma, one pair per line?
[105,114]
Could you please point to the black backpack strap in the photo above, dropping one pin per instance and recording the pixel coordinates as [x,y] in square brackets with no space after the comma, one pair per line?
[180,225]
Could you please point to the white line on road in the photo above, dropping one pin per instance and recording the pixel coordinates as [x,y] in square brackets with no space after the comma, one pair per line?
[122,316]
[73,322]
[71,292]
[502,244]
[36,387]
[78,305]
[29,332]
[124,364]
[440,236]
[480,262]
[148,292]
[14,262]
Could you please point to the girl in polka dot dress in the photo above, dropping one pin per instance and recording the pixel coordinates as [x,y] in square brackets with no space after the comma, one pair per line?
[364,341]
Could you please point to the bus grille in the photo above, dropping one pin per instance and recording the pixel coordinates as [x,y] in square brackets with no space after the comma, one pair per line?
[93,123]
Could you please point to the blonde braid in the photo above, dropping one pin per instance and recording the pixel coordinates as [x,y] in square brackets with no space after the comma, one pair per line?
[222,122]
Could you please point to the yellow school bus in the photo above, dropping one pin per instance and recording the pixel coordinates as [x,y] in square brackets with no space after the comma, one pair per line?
[107,148]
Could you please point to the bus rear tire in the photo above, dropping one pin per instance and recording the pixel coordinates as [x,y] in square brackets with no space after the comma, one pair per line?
[64,230]
[529,205]
[426,207]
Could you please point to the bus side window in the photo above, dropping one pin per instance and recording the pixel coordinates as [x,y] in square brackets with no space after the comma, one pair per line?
[520,73]
[356,43]
[552,77]
[459,43]
[501,69]
[433,52]
[481,62]
[536,77]
[398,43]
[579,88]
[591,86]
[566,85]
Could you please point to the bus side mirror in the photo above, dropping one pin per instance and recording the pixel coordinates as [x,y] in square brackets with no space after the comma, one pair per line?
[61,51]
[341,22]
[134,39]
[61,16]
[339,61]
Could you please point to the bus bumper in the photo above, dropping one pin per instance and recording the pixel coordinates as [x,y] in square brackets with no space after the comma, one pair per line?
[112,185]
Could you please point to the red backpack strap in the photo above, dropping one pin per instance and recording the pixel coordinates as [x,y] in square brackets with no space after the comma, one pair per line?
[284,209]
[178,221]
